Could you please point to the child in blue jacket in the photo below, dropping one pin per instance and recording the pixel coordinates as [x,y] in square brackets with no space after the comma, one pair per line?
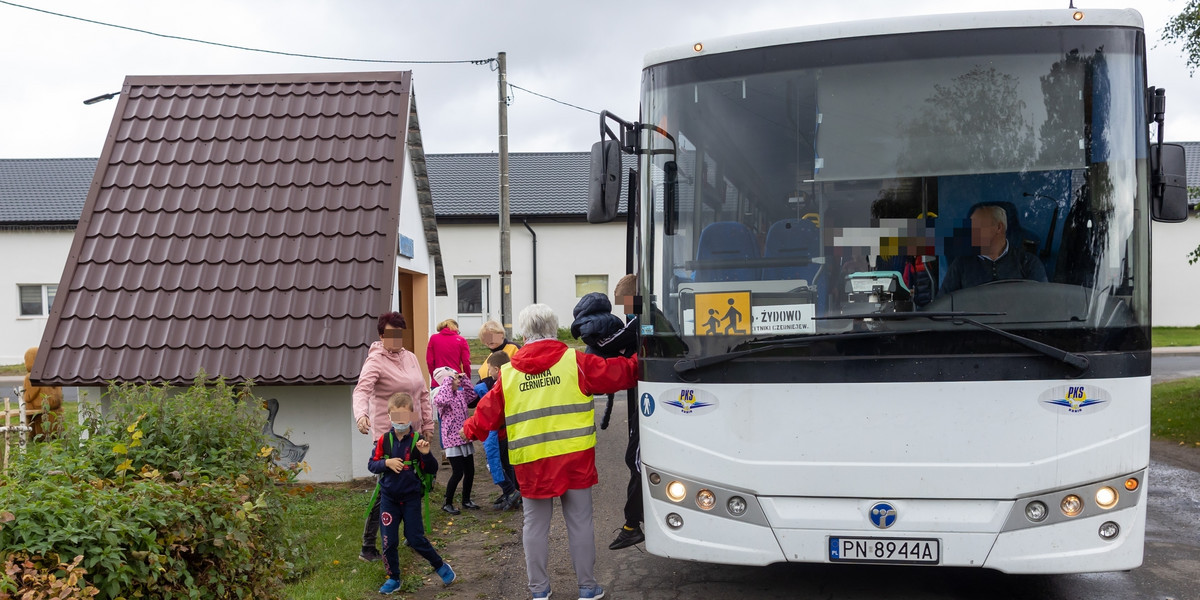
[495,447]
[396,458]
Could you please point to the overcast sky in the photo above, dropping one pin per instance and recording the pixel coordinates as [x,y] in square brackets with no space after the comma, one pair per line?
[583,53]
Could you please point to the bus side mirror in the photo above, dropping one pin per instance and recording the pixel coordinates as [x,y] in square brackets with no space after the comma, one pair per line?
[604,189]
[670,200]
[1168,184]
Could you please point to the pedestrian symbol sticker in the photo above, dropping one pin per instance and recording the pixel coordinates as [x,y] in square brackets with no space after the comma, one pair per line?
[723,313]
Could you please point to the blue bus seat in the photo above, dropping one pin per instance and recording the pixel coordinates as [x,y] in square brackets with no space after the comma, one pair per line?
[793,238]
[726,240]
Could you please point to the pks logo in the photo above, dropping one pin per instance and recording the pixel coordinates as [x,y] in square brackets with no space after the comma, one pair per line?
[1073,399]
[689,401]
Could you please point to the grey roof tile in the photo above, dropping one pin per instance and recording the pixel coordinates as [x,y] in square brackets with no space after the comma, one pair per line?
[242,225]
[44,190]
[540,183]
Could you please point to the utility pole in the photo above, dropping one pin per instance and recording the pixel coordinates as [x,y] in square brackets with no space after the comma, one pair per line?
[505,237]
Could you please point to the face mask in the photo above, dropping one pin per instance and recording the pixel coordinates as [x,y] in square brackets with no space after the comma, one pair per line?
[401,428]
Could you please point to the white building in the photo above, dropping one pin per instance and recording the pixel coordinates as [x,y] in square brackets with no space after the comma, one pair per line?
[556,255]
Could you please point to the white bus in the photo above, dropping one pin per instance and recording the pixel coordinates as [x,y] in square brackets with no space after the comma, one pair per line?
[894,290]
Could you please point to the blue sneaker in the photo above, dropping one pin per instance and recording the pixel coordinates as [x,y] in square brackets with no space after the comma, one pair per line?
[446,573]
[591,593]
[390,586]
[542,595]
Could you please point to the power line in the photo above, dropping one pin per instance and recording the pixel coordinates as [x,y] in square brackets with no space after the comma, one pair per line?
[482,61]
[512,85]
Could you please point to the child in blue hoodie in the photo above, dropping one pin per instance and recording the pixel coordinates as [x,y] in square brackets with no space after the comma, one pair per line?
[398,455]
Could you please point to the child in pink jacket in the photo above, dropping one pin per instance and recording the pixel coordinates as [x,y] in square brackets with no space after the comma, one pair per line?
[451,398]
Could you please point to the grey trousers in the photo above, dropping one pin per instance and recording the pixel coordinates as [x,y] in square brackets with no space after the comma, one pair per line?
[581,538]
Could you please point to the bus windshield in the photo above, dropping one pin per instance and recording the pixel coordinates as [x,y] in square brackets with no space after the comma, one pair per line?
[786,197]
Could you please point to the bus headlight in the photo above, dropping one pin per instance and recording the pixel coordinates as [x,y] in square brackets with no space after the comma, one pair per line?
[1035,511]
[676,491]
[705,499]
[1131,484]
[736,506]
[655,478]
[674,521]
[1072,505]
[1106,497]
[1109,530]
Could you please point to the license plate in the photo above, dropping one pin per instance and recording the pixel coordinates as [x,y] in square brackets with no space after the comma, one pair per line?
[884,550]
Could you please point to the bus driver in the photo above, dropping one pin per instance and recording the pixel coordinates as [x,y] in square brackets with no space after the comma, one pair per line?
[997,258]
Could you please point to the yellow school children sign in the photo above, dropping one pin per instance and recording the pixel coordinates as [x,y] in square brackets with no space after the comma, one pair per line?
[723,313]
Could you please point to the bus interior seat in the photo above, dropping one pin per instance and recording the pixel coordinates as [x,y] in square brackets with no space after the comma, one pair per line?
[726,240]
[792,238]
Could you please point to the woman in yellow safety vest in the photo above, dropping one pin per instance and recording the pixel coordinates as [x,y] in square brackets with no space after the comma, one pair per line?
[543,400]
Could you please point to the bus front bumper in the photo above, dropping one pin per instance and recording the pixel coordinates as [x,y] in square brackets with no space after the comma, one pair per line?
[968,533]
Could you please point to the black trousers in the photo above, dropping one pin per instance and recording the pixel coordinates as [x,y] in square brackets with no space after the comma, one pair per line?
[462,468]
[634,512]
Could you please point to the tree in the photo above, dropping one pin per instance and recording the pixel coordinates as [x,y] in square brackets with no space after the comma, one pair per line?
[1184,28]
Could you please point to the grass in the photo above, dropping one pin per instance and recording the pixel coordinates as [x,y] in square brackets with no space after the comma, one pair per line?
[329,517]
[1175,411]
[1175,336]
[17,369]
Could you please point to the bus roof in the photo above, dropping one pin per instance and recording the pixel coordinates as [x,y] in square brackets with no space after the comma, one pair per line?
[898,25]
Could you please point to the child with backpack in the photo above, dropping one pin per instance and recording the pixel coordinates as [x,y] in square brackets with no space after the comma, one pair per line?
[403,460]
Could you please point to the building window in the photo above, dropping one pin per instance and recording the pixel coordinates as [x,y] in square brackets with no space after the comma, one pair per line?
[472,295]
[586,284]
[36,300]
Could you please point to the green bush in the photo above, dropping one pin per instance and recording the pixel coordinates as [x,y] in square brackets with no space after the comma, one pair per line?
[172,494]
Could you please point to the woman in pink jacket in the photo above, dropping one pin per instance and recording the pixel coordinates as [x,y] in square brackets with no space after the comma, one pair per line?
[447,349]
[389,368]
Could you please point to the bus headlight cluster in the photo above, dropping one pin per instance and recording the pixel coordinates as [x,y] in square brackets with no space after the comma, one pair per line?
[683,494]
[1095,499]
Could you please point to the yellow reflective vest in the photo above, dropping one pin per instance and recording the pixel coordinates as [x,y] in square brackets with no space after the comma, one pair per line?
[545,414]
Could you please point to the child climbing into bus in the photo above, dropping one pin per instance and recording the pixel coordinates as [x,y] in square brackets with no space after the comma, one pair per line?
[401,457]
[451,398]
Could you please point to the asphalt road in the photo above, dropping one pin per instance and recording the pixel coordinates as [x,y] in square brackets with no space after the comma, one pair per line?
[1167,367]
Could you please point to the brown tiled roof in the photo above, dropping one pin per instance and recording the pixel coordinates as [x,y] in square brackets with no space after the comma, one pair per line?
[243,225]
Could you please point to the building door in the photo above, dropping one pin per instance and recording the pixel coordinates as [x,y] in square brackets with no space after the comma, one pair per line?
[473,306]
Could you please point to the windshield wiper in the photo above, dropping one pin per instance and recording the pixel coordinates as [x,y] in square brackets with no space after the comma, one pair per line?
[1075,360]
[691,364]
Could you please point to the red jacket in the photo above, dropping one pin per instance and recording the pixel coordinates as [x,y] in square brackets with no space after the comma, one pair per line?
[447,349]
[553,476]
